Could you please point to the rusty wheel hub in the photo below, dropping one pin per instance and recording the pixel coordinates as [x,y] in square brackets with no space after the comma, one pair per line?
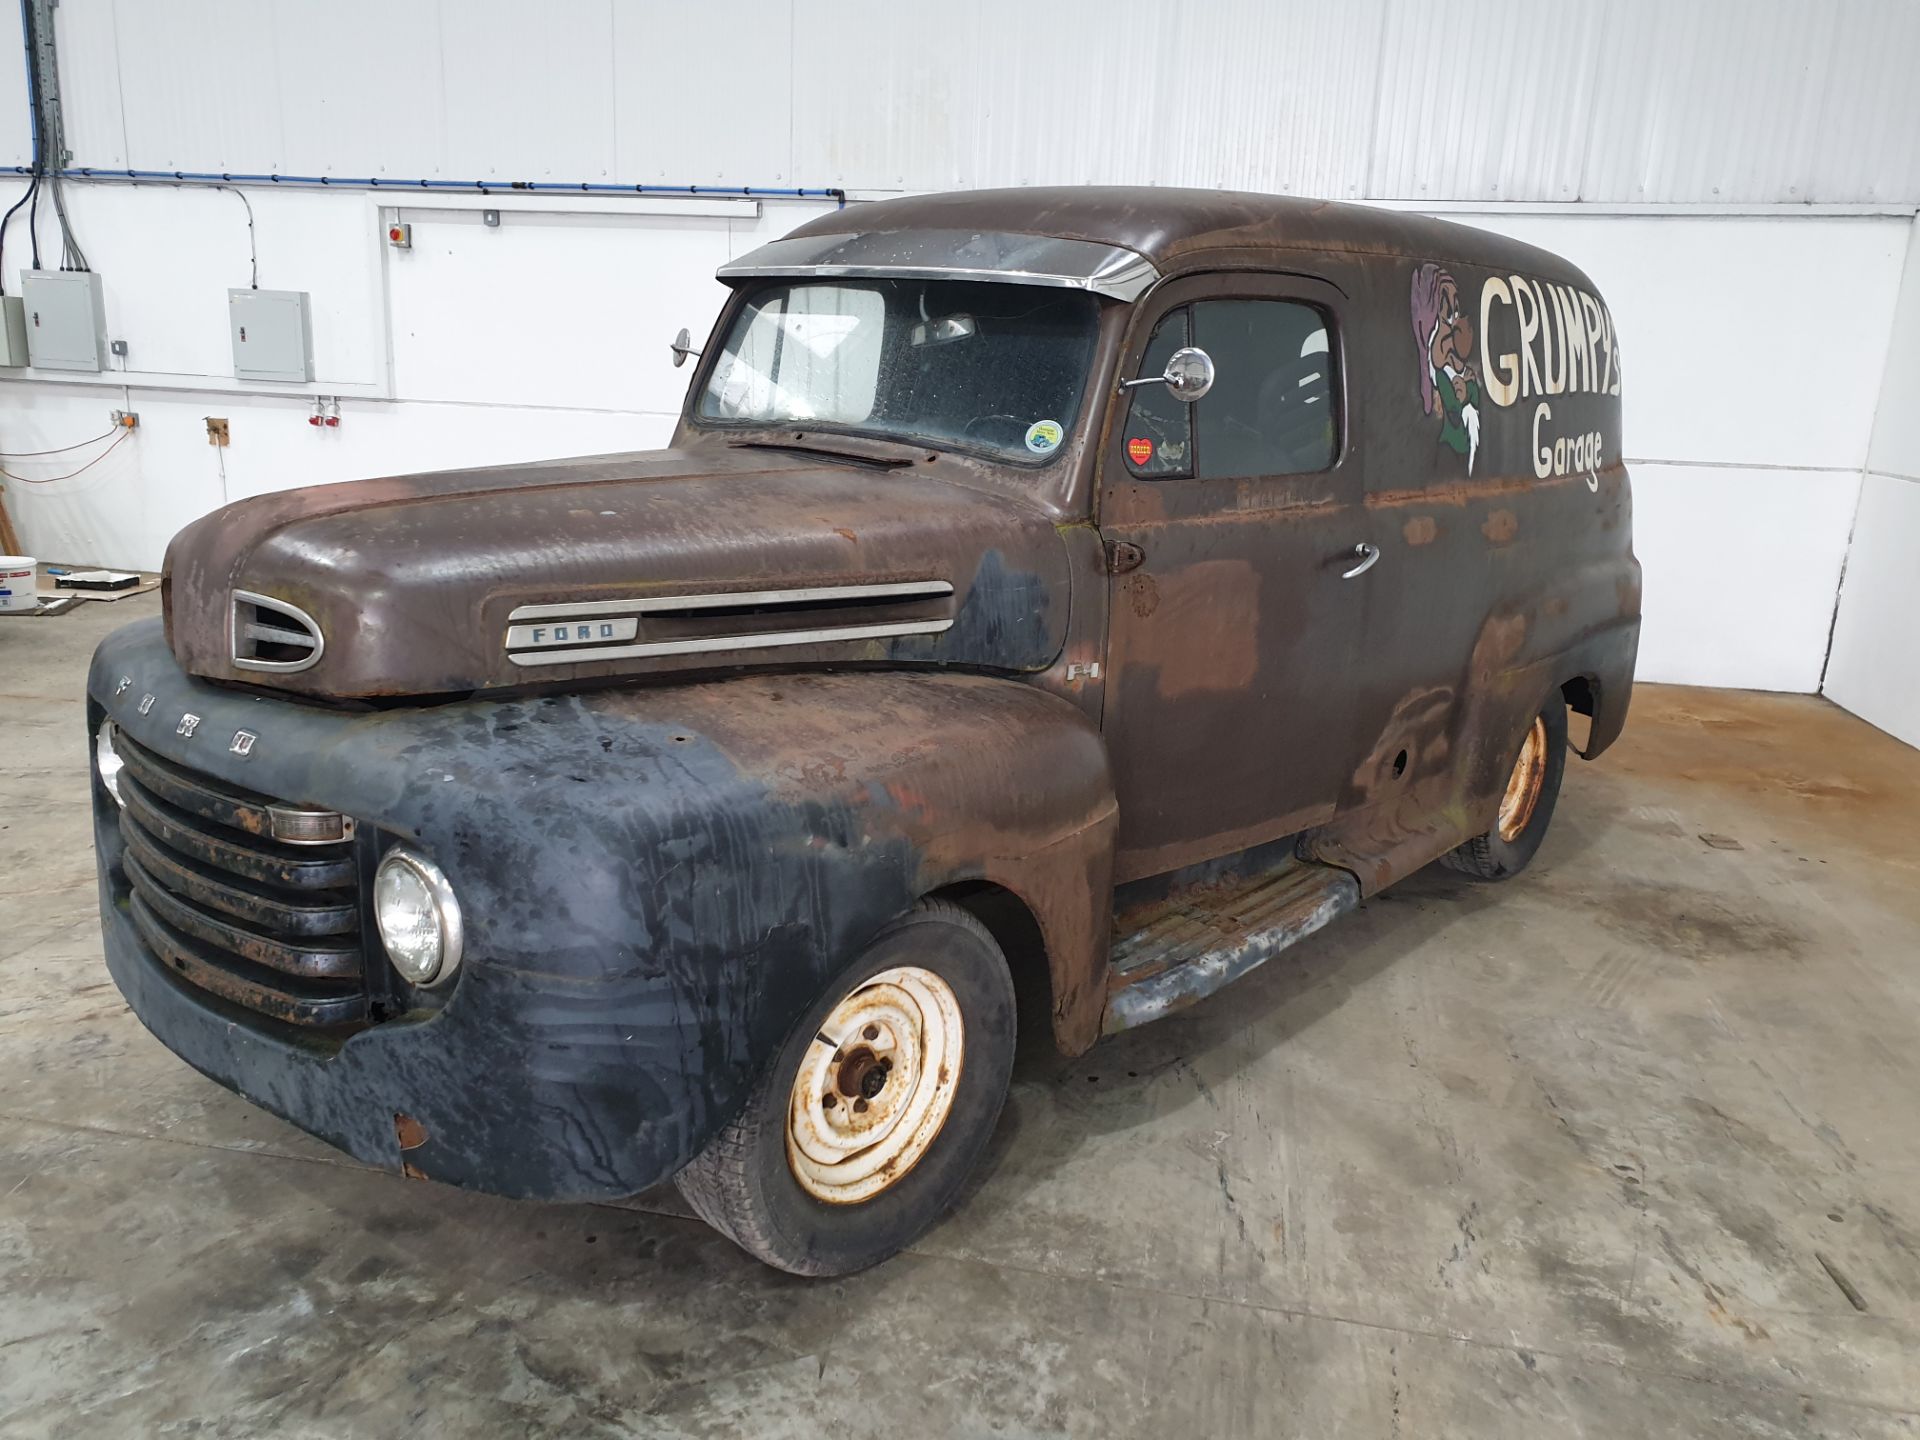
[875,1086]
[1524,784]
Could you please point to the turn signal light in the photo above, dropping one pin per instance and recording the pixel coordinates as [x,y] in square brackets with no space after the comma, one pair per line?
[308,827]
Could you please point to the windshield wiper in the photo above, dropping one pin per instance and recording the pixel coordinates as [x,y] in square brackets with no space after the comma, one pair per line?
[816,445]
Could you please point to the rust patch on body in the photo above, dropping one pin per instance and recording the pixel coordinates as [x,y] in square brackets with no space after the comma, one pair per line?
[1421,530]
[1143,596]
[412,1135]
[1207,631]
[408,1131]
[1501,526]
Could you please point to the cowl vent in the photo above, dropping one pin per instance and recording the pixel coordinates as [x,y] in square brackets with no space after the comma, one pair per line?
[270,634]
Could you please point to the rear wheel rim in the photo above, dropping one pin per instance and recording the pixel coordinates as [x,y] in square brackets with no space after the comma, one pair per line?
[1525,783]
[875,1086]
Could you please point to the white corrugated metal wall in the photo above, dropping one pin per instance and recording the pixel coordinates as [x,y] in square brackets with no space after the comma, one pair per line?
[1694,155]
[1632,101]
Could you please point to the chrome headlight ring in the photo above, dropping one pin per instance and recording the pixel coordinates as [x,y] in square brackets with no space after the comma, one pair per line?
[418,917]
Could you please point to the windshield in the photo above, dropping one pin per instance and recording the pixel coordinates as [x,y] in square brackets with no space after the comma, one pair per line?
[975,365]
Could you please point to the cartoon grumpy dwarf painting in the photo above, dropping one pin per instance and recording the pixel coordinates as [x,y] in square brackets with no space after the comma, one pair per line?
[1449,380]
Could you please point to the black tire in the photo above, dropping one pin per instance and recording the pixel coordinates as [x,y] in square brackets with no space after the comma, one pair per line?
[742,1184]
[1494,857]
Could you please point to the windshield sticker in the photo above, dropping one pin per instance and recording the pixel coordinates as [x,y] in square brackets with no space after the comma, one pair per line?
[1553,340]
[1043,436]
[1140,450]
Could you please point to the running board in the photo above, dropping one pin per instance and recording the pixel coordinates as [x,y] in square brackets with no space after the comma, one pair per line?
[1210,937]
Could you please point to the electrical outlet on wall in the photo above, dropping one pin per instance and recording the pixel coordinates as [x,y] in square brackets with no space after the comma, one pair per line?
[125,419]
[216,430]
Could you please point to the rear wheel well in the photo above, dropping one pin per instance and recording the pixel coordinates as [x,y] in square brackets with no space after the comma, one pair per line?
[1018,934]
[1582,694]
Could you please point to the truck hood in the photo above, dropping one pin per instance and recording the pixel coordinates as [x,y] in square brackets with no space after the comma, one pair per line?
[583,570]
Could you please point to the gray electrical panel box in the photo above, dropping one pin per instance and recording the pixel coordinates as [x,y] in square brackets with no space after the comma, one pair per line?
[13,331]
[66,319]
[272,339]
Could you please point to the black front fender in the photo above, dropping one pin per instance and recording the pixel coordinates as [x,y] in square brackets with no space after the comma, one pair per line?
[655,883]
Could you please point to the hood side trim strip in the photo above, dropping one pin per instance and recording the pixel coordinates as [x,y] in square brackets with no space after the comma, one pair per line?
[709,643]
[726,599]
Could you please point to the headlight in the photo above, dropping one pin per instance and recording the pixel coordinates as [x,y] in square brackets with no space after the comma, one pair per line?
[107,760]
[418,917]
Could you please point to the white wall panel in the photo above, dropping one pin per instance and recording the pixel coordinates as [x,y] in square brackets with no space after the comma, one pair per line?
[529,89]
[1751,101]
[1875,667]
[1273,96]
[551,310]
[199,85]
[1867,147]
[702,95]
[1895,449]
[167,255]
[1484,100]
[84,32]
[359,87]
[1712,100]
[1740,569]
[1743,340]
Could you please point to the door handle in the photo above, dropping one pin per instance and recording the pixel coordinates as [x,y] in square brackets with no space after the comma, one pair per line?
[1366,554]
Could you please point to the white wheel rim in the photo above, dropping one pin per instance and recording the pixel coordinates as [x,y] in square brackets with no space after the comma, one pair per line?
[875,1086]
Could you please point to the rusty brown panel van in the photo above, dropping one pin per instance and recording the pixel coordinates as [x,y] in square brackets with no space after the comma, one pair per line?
[1053,603]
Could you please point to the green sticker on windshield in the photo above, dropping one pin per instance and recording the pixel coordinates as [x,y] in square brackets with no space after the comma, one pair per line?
[1043,436]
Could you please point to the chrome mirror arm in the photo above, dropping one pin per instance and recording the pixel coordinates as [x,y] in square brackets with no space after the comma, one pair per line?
[1189,375]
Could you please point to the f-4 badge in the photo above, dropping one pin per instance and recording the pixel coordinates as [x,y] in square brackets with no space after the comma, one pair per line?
[243,743]
[188,724]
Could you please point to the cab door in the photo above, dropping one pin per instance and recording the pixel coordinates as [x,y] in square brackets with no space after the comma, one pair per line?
[1238,551]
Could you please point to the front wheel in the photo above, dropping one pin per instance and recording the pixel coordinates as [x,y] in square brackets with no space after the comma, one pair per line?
[1526,806]
[877,1107]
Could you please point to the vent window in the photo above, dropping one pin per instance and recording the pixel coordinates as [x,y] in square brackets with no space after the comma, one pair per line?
[270,634]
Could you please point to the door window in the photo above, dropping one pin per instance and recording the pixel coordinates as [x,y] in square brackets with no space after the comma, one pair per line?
[1271,410]
[1158,440]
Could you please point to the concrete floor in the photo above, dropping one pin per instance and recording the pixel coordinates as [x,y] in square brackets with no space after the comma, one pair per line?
[1573,1154]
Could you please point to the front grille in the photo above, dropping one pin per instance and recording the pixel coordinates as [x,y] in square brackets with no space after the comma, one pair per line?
[271,927]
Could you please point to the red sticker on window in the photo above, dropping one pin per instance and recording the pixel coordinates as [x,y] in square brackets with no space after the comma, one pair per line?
[1140,450]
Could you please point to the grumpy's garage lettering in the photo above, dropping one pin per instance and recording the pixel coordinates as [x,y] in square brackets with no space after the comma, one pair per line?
[1534,340]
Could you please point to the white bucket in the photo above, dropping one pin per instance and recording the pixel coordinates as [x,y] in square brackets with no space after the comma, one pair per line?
[19,583]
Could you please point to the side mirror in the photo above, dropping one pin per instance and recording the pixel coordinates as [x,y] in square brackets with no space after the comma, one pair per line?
[1189,374]
[682,347]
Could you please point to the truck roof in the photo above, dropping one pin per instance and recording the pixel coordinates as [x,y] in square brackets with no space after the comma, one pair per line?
[1186,229]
